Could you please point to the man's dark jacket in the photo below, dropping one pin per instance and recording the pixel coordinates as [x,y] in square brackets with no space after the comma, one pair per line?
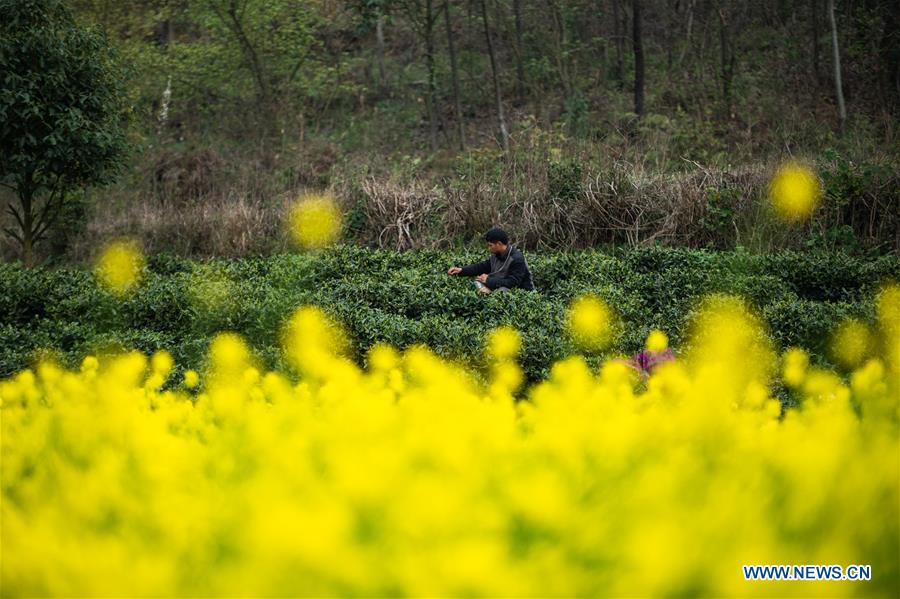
[509,270]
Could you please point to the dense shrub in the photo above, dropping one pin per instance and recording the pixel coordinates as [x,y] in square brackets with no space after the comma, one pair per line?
[406,298]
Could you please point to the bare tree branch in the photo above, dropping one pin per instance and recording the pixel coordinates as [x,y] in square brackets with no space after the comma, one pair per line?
[13,234]
[41,229]
[12,210]
[54,202]
[232,17]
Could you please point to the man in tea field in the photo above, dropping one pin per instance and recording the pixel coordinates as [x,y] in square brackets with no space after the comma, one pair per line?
[505,269]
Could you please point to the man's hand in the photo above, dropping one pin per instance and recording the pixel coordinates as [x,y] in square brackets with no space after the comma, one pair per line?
[482,278]
[454,270]
[484,290]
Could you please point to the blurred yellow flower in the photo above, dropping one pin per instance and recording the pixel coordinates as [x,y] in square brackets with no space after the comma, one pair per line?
[191,379]
[888,309]
[89,363]
[591,323]
[851,343]
[383,357]
[228,354]
[161,362]
[419,478]
[729,350]
[657,341]
[315,221]
[504,343]
[313,342]
[794,192]
[120,266]
[794,364]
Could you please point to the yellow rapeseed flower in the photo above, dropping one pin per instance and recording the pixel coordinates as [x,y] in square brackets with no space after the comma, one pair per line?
[888,309]
[313,341]
[507,376]
[851,343]
[162,362]
[89,363]
[591,323]
[191,379]
[120,266]
[794,364]
[729,348]
[794,192]
[315,221]
[419,478]
[382,357]
[504,343]
[657,341]
[228,354]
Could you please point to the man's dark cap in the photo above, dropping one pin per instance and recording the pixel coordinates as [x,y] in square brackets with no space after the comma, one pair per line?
[495,235]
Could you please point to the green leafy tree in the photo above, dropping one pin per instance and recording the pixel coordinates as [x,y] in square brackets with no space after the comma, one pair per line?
[63,112]
[274,42]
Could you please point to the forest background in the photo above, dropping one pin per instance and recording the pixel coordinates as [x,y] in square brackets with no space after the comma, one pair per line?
[573,123]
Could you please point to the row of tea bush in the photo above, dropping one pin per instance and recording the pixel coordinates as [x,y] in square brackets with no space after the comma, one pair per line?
[407,298]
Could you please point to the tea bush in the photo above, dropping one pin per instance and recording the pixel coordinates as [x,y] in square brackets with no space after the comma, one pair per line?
[407,298]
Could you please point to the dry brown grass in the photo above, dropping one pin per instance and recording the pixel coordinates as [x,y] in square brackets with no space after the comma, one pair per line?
[624,204]
[633,206]
[400,215]
[233,226]
[202,204]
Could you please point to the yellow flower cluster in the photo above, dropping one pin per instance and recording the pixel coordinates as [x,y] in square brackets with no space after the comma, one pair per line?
[414,477]
[314,221]
[503,346]
[120,266]
[591,323]
[851,343]
[795,192]
[657,341]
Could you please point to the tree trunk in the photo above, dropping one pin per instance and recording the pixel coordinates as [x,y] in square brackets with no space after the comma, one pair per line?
[504,134]
[561,61]
[252,58]
[379,53]
[688,33]
[670,33]
[431,96]
[618,34]
[814,17]
[27,229]
[638,58]
[838,87]
[727,59]
[454,72]
[265,106]
[890,58]
[520,49]
[597,33]
[26,236]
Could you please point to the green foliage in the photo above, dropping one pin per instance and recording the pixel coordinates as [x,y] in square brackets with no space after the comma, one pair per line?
[407,298]
[717,222]
[271,43]
[287,95]
[564,178]
[864,197]
[62,110]
[576,116]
